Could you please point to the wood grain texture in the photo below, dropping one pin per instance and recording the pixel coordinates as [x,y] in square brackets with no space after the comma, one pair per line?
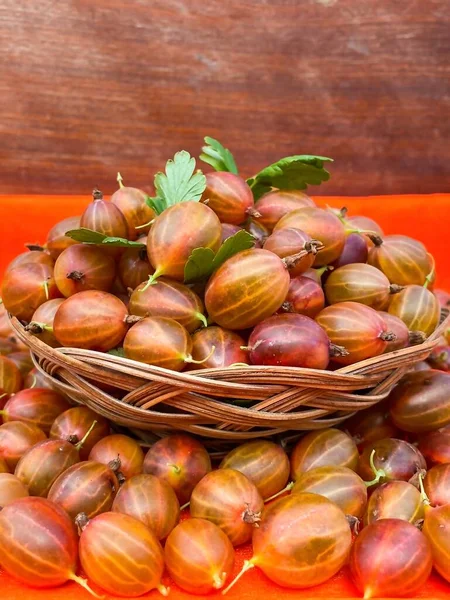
[89,87]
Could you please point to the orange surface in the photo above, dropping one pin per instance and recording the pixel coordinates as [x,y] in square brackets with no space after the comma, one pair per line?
[27,219]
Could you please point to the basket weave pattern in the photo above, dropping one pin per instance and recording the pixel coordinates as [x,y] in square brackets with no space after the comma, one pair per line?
[226,405]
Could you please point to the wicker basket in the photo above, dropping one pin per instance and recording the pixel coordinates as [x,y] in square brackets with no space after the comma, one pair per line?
[222,406]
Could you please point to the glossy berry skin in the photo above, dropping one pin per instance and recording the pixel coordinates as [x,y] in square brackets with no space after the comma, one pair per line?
[367,224]
[289,340]
[42,464]
[288,242]
[199,556]
[87,487]
[177,232]
[132,203]
[23,361]
[10,376]
[339,484]
[229,196]
[274,205]
[169,299]
[390,558]
[119,446]
[11,489]
[436,529]
[228,230]
[246,289]
[111,540]
[38,543]
[15,439]
[57,240]
[104,217]
[134,267]
[305,297]
[34,257]
[231,501]
[92,320]
[150,500]
[36,379]
[26,287]
[38,406]
[356,327]
[417,307]
[440,358]
[398,460]
[435,446]
[437,485]
[421,402]
[358,283]
[303,540]
[73,424]
[402,259]
[323,448]
[355,251]
[319,225]
[3,466]
[395,500]
[180,460]
[263,462]
[158,341]
[371,424]
[258,231]
[84,267]
[42,322]
[228,348]
[403,336]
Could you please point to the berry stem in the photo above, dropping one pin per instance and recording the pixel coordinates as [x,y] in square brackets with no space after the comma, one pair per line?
[248,564]
[252,212]
[185,506]
[219,580]
[189,358]
[425,500]
[84,584]
[388,336]
[201,317]
[145,224]
[379,473]
[287,488]
[45,284]
[163,590]
[80,444]
[416,337]
[120,180]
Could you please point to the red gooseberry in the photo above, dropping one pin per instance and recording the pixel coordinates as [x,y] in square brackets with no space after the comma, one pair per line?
[228,230]
[134,267]
[92,320]
[229,348]
[119,446]
[104,217]
[389,459]
[87,487]
[356,327]
[274,205]
[290,340]
[395,500]
[75,423]
[263,462]
[437,485]
[436,529]
[11,488]
[319,225]
[39,406]
[180,460]
[34,257]
[152,501]
[229,196]
[246,289]
[114,539]
[170,299]
[6,347]
[302,540]
[305,297]
[295,246]
[26,287]
[199,556]
[402,259]
[417,307]
[41,324]
[438,359]
[23,361]
[323,448]
[36,379]
[176,232]
[84,267]
[10,376]
[339,484]
[420,402]
[16,438]
[365,226]
[371,424]
[38,544]
[132,203]
[403,336]
[231,501]
[355,251]
[57,240]
[435,446]
[390,558]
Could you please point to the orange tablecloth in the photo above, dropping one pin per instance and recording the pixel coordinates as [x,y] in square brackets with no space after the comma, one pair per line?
[26,219]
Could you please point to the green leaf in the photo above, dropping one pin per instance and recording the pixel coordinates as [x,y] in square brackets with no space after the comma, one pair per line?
[290,173]
[157,204]
[117,352]
[202,261]
[179,183]
[88,236]
[217,156]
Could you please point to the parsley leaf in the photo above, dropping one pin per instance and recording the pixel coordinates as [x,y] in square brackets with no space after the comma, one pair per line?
[89,236]
[290,173]
[178,184]
[217,156]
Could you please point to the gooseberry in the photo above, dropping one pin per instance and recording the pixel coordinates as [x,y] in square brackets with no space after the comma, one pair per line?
[417,307]
[305,297]
[41,324]
[84,267]
[132,203]
[274,205]
[74,424]
[229,348]
[16,438]
[57,240]
[395,500]
[229,196]
[119,446]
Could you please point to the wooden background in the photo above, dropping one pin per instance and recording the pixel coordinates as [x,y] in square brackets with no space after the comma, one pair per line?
[89,87]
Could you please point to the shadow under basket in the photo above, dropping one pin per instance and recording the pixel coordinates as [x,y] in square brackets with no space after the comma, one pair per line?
[223,407]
